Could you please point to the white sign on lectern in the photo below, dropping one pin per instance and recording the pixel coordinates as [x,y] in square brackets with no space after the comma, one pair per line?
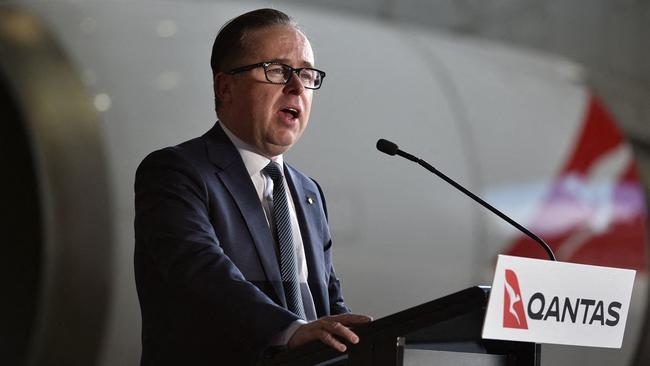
[543,301]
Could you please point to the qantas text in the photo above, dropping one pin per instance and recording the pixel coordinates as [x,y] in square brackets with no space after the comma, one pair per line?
[585,311]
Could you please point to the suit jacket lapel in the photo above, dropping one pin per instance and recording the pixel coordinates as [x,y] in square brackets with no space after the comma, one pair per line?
[235,178]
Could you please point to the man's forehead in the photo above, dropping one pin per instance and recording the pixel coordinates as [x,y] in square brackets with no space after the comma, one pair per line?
[285,44]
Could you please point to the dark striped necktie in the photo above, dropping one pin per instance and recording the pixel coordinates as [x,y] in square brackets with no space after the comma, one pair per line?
[284,238]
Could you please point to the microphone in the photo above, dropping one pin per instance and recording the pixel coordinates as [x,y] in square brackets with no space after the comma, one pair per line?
[392,149]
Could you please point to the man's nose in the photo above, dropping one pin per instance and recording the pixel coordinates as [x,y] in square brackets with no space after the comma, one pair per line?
[294,85]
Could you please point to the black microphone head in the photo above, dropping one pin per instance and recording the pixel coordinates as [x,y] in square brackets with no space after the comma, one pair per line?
[387,147]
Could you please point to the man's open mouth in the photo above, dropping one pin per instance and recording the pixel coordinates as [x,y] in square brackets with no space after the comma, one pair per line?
[292,111]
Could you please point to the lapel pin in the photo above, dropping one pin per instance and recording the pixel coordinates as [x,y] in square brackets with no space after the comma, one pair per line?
[310,200]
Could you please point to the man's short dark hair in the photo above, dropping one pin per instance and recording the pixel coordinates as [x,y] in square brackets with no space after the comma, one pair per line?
[230,44]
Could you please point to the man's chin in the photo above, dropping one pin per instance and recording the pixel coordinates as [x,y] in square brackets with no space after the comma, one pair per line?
[275,149]
[279,144]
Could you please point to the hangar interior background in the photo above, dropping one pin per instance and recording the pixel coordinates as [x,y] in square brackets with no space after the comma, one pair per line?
[608,37]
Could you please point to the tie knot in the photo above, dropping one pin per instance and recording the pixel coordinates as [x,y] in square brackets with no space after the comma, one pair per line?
[273,171]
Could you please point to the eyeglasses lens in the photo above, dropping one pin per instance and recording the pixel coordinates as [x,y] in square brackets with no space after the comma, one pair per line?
[281,74]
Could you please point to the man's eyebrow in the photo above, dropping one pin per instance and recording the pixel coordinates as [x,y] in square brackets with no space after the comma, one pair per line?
[286,61]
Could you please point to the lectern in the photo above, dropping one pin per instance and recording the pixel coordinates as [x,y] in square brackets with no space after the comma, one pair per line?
[446,331]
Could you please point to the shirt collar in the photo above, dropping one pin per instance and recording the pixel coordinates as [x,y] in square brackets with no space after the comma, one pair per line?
[253,160]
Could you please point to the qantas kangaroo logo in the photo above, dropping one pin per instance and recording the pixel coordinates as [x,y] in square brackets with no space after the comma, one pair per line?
[513,305]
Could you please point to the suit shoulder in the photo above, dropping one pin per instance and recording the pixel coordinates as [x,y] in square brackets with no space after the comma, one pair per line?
[182,153]
[173,164]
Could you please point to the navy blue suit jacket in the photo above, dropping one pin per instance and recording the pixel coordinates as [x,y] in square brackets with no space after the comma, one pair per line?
[206,267]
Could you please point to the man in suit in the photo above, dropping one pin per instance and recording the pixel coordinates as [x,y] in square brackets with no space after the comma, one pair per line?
[233,249]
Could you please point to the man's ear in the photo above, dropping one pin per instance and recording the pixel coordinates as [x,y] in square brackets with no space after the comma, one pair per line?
[223,85]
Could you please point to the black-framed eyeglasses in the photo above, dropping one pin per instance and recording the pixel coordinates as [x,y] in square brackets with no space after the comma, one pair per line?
[279,73]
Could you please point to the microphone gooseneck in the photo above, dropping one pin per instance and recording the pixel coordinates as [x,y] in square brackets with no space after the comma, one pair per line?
[391,148]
